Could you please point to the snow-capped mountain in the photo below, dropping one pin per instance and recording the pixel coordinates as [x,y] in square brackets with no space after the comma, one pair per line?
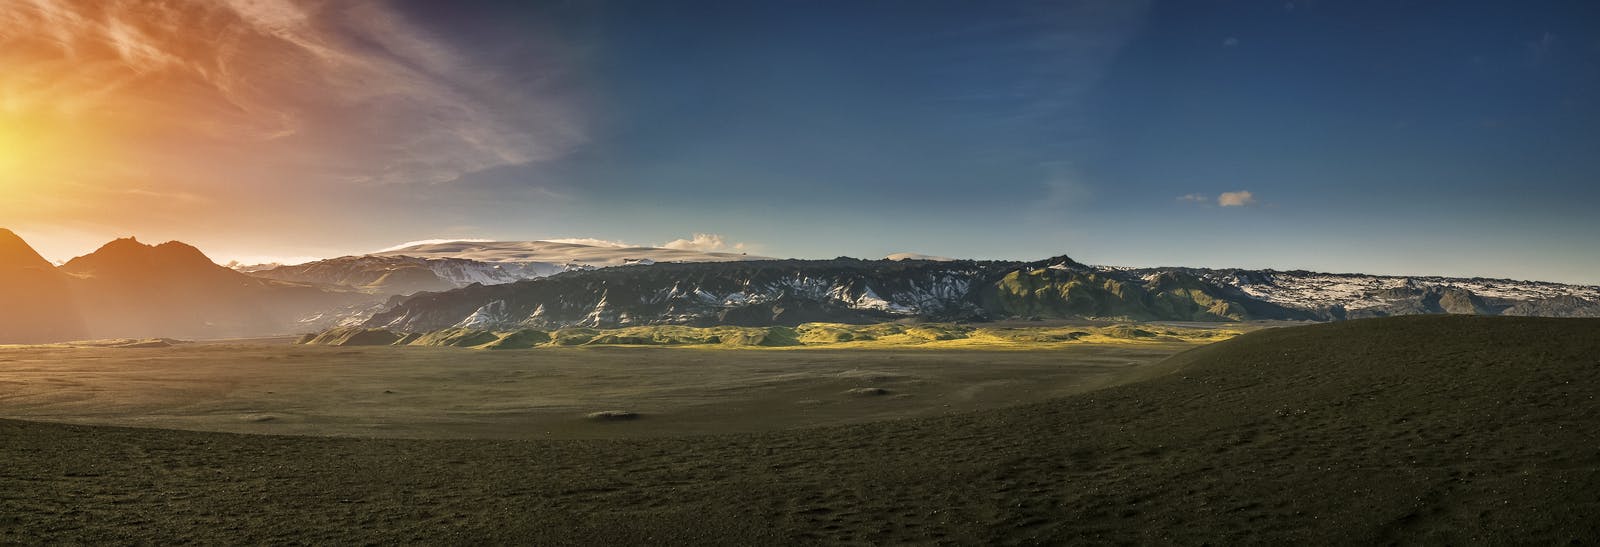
[553,252]
[845,290]
[741,293]
[130,289]
[441,266]
[1351,296]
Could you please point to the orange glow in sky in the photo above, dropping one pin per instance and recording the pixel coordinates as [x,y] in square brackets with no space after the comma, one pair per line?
[212,121]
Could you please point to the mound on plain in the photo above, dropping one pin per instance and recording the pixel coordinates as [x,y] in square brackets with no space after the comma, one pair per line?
[522,339]
[455,337]
[1430,429]
[877,335]
[129,343]
[353,336]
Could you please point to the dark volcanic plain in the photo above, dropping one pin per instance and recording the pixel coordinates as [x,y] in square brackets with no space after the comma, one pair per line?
[545,393]
[1435,429]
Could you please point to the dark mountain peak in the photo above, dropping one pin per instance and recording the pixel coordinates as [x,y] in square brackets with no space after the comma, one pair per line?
[177,250]
[1176,279]
[16,254]
[116,248]
[1061,262]
[36,304]
[127,256]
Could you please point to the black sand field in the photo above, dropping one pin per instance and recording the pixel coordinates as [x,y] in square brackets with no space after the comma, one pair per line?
[1413,430]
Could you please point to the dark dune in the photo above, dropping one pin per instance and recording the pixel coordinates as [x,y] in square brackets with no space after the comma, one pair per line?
[1438,429]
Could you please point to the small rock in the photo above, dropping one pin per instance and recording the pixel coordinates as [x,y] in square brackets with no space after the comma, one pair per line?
[612,415]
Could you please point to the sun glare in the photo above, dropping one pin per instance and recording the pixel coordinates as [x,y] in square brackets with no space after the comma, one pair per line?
[36,150]
[13,148]
[23,153]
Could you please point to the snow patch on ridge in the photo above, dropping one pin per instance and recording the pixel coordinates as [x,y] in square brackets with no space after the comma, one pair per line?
[488,316]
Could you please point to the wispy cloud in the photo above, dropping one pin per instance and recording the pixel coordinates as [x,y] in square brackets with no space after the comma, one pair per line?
[1056,54]
[347,90]
[1065,189]
[1539,50]
[698,242]
[430,242]
[703,242]
[593,242]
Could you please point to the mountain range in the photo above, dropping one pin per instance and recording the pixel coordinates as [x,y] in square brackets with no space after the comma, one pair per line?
[128,289]
[448,265]
[791,292]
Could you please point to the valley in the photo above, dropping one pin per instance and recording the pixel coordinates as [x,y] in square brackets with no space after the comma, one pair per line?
[274,387]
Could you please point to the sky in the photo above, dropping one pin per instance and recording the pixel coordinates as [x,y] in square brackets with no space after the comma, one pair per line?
[1391,137]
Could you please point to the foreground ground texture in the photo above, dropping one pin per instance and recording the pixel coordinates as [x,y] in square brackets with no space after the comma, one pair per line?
[1419,429]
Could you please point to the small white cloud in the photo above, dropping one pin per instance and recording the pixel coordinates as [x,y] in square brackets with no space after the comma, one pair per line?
[1241,198]
[704,243]
[1195,198]
[1230,42]
[1064,188]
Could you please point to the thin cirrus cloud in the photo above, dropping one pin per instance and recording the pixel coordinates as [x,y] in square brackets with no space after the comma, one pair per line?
[703,242]
[238,118]
[347,91]
[592,242]
[431,242]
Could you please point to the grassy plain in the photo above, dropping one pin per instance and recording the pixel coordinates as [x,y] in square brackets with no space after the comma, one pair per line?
[272,387]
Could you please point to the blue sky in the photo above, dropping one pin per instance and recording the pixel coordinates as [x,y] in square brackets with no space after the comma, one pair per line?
[1402,137]
[1398,137]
